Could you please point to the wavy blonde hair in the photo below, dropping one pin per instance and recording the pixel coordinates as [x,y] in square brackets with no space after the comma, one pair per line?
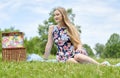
[72,30]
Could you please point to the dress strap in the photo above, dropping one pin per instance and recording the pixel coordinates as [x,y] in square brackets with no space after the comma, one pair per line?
[55,28]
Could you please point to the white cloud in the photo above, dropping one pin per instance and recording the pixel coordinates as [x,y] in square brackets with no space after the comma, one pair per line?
[115,18]
[10,4]
[44,1]
[3,5]
[16,4]
[38,10]
[4,17]
[30,29]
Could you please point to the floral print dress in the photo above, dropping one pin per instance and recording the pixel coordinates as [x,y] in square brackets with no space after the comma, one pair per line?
[64,45]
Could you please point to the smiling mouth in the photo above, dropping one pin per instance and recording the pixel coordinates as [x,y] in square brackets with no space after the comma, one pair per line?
[56,18]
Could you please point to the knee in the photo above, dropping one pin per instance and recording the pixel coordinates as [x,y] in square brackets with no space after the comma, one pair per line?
[78,57]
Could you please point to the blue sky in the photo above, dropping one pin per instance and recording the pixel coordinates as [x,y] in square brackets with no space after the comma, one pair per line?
[98,18]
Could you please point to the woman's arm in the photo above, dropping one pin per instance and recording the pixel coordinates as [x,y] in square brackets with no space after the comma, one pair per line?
[79,46]
[81,49]
[49,43]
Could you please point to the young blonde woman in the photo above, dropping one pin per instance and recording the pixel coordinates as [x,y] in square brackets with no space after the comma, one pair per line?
[66,37]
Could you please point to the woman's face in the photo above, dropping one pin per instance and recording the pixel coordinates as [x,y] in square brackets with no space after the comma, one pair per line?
[57,16]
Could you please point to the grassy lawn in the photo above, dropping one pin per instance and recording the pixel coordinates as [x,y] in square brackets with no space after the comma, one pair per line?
[57,70]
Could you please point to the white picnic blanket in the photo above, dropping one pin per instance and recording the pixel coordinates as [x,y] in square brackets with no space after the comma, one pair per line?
[36,57]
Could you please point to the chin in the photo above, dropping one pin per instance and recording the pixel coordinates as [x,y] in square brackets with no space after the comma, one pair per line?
[57,21]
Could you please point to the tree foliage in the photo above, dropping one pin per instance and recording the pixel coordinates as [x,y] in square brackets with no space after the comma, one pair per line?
[33,45]
[112,47]
[88,49]
[99,48]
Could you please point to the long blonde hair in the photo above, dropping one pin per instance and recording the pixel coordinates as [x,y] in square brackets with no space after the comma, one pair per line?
[72,30]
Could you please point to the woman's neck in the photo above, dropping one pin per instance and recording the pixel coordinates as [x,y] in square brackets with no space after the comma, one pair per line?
[61,24]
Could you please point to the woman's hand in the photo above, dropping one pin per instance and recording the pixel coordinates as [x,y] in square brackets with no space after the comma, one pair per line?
[81,50]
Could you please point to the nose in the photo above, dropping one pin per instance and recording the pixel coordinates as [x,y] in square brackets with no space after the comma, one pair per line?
[55,16]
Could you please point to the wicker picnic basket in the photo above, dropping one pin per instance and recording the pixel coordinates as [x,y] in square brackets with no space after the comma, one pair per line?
[12,47]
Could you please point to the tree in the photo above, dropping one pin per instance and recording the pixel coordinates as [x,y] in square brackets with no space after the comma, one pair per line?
[43,30]
[32,45]
[112,48]
[99,48]
[88,49]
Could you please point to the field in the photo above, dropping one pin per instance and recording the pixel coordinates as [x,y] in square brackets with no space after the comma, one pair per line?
[57,70]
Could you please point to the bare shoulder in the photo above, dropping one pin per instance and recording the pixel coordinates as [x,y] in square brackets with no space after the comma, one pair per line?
[51,27]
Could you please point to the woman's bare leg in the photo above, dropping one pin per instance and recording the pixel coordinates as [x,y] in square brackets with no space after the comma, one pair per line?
[71,60]
[85,59]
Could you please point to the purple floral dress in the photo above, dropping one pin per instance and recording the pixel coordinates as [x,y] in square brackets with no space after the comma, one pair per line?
[64,45]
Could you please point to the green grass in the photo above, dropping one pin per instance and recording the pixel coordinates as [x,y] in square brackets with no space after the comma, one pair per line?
[57,70]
